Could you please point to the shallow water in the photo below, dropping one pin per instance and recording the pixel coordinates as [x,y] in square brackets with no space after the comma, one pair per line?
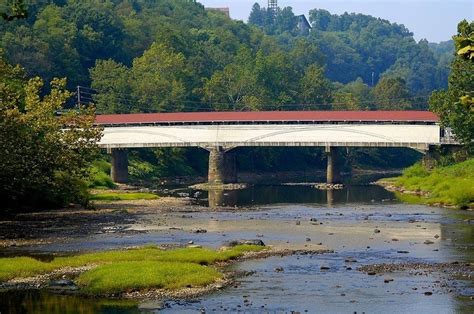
[281,216]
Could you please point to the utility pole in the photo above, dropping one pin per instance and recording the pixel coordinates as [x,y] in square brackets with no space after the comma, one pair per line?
[78,96]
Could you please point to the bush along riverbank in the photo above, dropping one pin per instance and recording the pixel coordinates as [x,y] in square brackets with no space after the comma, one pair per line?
[449,186]
[137,271]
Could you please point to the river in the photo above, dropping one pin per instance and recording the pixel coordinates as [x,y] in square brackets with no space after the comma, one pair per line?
[363,225]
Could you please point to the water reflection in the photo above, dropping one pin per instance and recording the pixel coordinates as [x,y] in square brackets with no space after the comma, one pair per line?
[281,194]
[222,198]
[458,238]
[43,302]
[330,197]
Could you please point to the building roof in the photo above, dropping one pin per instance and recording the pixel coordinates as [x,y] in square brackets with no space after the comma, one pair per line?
[268,116]
[302,19]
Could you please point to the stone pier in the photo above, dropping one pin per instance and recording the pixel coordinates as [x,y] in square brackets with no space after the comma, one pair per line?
[222,168]
[119,169]
[333,174]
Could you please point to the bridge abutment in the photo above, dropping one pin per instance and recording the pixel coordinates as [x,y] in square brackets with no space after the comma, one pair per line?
[222,167]
[333,175]
[119,169]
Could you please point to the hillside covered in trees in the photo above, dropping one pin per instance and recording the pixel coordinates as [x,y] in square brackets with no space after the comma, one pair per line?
[174,55]
[165,55]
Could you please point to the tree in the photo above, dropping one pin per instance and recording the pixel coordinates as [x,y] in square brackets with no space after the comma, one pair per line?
[236,87]
[16,10]
[361,93]
[285,21]
[257,15]
[111,80]
[305,53]
[45,158]
[391,93]
[344,101]
[314,87]
[157,79]
[464,40]
[275,74]
[320,19]
[455,106]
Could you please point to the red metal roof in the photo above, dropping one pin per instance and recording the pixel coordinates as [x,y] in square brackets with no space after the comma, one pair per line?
[271,116]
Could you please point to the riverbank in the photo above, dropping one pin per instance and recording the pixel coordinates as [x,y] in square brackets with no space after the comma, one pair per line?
[106,217]
[449,186]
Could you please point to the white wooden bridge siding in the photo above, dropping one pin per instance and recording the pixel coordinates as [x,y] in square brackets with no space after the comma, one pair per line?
[416,136]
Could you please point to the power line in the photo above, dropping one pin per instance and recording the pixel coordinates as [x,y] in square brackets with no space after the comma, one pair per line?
[86,94]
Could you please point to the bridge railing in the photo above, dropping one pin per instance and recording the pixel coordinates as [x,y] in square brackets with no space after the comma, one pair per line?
[448,137]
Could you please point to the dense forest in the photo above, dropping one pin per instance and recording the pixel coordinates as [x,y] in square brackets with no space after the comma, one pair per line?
[147,55]
[174,55]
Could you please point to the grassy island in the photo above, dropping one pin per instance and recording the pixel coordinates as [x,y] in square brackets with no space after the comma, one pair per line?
[120,271]
[445,185]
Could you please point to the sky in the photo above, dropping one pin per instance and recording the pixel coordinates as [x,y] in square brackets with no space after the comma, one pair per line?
[434,20]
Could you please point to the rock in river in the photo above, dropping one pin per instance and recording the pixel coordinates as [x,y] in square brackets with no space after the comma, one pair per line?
[62,286]
[244,242]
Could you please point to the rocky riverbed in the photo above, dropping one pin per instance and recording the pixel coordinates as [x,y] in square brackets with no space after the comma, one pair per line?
[380,255]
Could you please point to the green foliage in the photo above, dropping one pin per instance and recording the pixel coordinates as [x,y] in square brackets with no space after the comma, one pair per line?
[387,158]
[169,55]
[391,94]
[112,80]
[455,106]
[274,23]
[314,87]
[464,40]
[236,86]
[142,170]
[44,157]
[124,270]
[358,92]
[100,175]
[153,83]
[357,45]
[449,185]
[15,9]
[157,79]
[117,196]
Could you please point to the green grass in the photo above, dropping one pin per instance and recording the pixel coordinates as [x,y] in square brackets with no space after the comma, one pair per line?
[131,276]
[124,270]
[118,196]
[22,267]
[450,185]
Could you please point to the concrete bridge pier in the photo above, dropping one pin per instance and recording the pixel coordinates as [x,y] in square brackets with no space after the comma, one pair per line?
[333,175]
[222,168]
[119,169]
